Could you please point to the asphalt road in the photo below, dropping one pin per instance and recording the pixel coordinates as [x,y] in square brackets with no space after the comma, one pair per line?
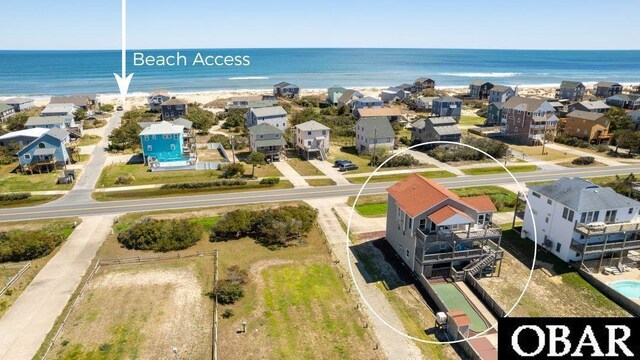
[91,207]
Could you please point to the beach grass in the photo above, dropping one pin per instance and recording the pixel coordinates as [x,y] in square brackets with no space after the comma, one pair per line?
[33,200]
[320,182]
[89,139]
[471,120]
[499,169]
[438,174]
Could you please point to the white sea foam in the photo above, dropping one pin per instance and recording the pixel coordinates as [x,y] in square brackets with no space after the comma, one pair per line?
[483,75]
[249,78]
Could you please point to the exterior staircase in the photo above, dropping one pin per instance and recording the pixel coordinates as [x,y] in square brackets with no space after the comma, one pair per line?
[323,154]
[476,267]
[75,131]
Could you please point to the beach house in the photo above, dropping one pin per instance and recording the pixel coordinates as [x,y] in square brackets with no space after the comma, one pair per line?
[435,129]
[391,113]
[334,93]
[589,126]
[247,102]
[393,94]
[374,132]
[66,122]
[624,101]
[19,104]
[435,231]
[597,106]
[18,139]
[571,90]
[605,89]
[348,97]
[479,89]
[501,93]
[312,139]
[423,84]
[494,113]
[156,98]
[47,152]
[163,142]
[267,139]
[173,109]
[273,115]
[528,121]
[447,106]
[285,89]
[424,103]
[59,109]
[366,102]
[581,222]
[84,102]
[6,111]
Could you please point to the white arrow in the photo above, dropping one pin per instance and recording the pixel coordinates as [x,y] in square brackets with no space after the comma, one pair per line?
[124,80]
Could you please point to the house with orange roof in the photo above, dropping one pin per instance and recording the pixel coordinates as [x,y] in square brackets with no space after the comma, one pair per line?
[440,234]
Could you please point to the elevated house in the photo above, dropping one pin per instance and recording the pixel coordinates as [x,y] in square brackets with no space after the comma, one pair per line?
[501,93]
[596,106]
[528,121]
[407,87]
[437,233]
[273,115]
[571,90]
[19,104]
[480,89]
[367,102]
[267,139]
[393,94]
[334,93]
[6,111]
[247,102]
[156,98]
[173,109]
[435,129]
[494,113]
[66,122]
[447,106]
[391,113]
[188,133]
[374,133]
[589,126]
[59,109]
[47,152]
[285,89]
[18,139]
[605,89]
[624,101]
[635,116]
[423,84]
[582,223]
[84,102]
[312,139]
[163,145]
[424,103]
[348,97]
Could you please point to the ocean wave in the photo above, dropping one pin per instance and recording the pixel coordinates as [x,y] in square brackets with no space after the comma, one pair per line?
[249,78]
[483,75]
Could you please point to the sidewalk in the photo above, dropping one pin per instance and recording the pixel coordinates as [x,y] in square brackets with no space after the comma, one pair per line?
[290,174]
[26,324]
[603,159]
[333,173]
[422,157]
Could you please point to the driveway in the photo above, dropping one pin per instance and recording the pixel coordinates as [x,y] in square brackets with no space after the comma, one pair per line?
[28,321]
[328,169]
[290,174]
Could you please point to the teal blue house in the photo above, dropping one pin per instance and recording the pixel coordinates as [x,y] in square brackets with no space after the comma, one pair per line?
[162,142]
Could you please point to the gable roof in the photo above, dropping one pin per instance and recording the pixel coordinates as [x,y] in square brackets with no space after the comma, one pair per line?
[594,105]
[585,115]
[582,195]
[33,132]
[5,107]
[16,101]
[173,102]
[423,79]
[606,84]
[501,88]
[184,122]
[162,128]
[479,83]
[264,129]
[482,203]
[387,111]
[368,99]
[376,127]
[59,107]
[415,194]
[523,103]
[447,99]
[311,125]
[348,94]
[442,121]
[446,212]
[567,84]
[269,111]
[625,97]
[77,100]
[47,120]
[55,133]
[281,84]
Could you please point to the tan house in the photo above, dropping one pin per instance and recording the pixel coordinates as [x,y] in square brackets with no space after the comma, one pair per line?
[587,125]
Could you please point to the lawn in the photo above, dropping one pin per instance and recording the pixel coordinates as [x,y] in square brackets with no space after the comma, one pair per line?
[88,139]
[303,167]
[438,174]
[16,182]
[499,169]
[536,153]
[144,177]
[551,277]
[62,227]
[350,153]
[471,120]
[320,182]
[31,201]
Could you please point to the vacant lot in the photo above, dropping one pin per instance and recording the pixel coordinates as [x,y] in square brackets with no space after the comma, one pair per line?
[10,181]
[536,153]
[303,167]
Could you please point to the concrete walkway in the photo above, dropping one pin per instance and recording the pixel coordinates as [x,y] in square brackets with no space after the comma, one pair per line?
[28,321]
[422,157]
[603,159]
[290,174]
[359,223]
[543,165]
[328,169]
[395,346]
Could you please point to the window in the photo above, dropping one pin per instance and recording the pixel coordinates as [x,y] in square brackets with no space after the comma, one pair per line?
[149,148]
[42,145]
[407,253]
[567,214]
[610,216]
[535,194]
[27,156]
[175,136]
[423,223]
[173,146]
[481,219]
[146,138]
[308,132]
[546,220]
[630,210]
[549,201]
[558,246]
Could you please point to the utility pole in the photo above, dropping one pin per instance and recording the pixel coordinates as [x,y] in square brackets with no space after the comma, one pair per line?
[233,148]
[375,142]
[215,307]
[544,136]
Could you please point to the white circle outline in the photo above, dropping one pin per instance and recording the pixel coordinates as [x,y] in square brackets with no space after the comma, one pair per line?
[535,239]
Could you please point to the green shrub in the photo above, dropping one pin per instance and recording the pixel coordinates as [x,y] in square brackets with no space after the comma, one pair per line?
[583,160]
[228,292]
[602,148]
[227,313]
[161,235]
[204,184]
[106,107]
[125,179]
[222,139]
[233,170]
[27,245]
[270,181]
[14,196]
[402,160]
[572,141]
[449,153]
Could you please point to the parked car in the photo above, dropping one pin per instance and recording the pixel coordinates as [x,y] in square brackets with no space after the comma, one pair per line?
[339,163]
[119,108]
[347,167]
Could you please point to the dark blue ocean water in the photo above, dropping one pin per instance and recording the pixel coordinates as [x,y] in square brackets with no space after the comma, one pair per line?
[66,72]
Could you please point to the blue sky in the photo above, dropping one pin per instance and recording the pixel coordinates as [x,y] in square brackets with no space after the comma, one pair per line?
[158,24]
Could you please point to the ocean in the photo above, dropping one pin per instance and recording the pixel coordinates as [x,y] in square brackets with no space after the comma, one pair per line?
[42,73]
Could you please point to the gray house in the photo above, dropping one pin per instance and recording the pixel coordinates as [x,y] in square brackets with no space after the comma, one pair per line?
[635,116]
[348,97]
[424,83]
[285,89]
[67,123]
[393,94]
[597,106]
[173,109]
[267,139]
[60,109]
[447,106]
[435,129]
[6,111]
[624,101]
[605,89]
[424,103]
[571,90]
[501,93]
[247,102]
[274,115]
[334,93]
[84,102]
[494,113]
[480,89]
[374,132]
[18,139]
[156,98]
[19,104]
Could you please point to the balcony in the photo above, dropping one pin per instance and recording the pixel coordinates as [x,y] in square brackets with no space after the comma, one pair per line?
[463,255]
[490,231]
[604,229]
[604,248]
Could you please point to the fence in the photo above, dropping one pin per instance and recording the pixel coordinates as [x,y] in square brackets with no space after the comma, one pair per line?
[615,296]
[484,296]
[14,278]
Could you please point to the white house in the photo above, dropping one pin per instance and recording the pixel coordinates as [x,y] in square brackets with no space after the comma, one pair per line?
[61,109]
[367,102]
[577,220]
[374,132]
[272,115]
[312,138]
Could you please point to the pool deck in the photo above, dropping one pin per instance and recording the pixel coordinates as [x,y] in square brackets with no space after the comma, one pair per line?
[632,274]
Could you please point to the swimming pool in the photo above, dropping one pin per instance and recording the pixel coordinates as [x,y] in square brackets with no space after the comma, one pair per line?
[628,288]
